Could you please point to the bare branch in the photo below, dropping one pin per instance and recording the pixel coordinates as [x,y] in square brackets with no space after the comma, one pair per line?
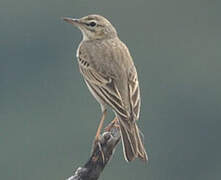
[98,160]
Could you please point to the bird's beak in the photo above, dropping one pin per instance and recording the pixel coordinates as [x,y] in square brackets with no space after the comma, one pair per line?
[73,21]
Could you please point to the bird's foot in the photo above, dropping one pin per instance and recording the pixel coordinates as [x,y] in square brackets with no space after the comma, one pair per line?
[97,144]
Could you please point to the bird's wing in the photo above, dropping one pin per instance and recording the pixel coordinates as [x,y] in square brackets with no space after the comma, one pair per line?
[103,86]
[134,92]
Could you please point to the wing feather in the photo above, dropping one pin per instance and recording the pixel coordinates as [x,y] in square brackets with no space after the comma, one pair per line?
[134,92]
[104,87]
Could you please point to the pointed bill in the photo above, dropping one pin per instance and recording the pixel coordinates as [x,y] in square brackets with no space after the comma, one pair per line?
[73,21]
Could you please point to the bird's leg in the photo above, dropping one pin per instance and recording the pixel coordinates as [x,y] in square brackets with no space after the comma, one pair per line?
[97,137]
[113,123]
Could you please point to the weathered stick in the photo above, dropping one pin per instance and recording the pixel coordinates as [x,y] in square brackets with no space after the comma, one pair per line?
[100,156]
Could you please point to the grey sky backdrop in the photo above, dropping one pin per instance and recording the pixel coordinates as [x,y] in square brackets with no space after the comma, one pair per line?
[48,117]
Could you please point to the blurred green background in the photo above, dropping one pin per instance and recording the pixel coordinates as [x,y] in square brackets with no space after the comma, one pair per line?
[48,118]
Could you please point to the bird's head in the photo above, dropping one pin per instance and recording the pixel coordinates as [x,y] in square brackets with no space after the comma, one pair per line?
[93,27]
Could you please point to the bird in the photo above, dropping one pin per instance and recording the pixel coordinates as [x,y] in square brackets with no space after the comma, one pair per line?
[109,72]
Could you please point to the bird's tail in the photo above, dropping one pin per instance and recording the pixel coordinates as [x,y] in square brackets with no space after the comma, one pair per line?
[132,143]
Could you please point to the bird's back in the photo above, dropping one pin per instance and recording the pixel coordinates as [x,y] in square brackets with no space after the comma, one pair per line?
[111,59]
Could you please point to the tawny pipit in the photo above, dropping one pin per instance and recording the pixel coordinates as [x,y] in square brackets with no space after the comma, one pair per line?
[109,72]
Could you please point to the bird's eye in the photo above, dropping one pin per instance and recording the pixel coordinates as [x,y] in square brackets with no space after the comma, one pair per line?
[92,24]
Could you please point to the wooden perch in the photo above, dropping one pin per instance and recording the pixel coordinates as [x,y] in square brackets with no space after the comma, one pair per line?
[98,160]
